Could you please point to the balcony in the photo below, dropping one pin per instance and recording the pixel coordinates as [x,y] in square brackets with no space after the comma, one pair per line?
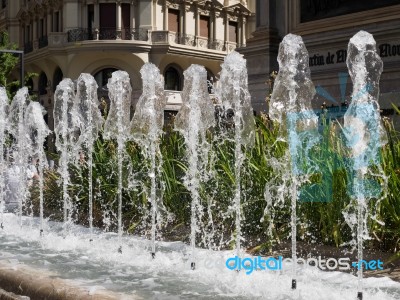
[168,37]
[84,34]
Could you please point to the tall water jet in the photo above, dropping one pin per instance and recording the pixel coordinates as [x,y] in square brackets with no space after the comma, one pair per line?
[117,126]
[146,128]
[234,95]
[363,128]
[291,106]
[37,131]
[89,120]
[3,124]
[66,137]
[194,118]
[20,154]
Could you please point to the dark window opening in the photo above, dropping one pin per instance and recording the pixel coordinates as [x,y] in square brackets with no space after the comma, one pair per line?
[58,76]
[42,83]
[173,20]
[90,17]
[205,26]
[56,24]
[126,21]
[172,80]
[233,32]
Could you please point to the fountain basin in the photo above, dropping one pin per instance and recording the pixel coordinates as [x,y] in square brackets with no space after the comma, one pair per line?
[133,274]
[40,284]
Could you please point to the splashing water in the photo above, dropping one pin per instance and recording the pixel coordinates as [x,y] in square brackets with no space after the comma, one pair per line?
[18,130]
[291,106]
[37,131]
[117,125]
[234,95]
[3,124]
[89,121]
[194,118]
[146,128]
[363,128]
[66,135]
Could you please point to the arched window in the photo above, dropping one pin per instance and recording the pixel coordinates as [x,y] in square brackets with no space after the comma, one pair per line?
[172,79]
[42,84]
[102,77]
[58,76]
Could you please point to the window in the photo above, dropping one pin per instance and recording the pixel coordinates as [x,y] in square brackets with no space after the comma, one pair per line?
[56,20]
[205,26]
[233,28]
[90,17]
[108,21]
[42,83]
[58,76]
[102,77]
[172,79]
[41,28]
[173,20]
[126,21]
[3,3]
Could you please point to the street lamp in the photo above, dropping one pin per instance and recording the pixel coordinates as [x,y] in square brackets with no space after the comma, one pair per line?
[21,62]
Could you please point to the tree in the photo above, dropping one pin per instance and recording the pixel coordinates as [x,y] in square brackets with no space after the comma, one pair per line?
[8,62]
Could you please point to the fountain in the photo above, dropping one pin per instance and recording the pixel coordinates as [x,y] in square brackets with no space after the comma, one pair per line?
[66,136]
[146,128]
[37,131]
[291,107]
[131,272]
[89,122]
[3,124]
[117,126]
[362,125]
[234,95]
[195,117]
[18,131]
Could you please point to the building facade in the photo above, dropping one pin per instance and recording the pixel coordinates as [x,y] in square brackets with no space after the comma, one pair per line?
[326,27]
[64,38]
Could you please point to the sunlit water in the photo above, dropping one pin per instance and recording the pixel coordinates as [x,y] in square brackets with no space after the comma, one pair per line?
[98,265]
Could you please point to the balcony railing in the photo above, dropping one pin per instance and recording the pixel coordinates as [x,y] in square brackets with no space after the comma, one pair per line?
[28,47]
[79,34]
[168,37]
[84,34]
[43,41]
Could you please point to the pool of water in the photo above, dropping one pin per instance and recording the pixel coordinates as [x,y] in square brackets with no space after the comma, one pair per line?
[98,265]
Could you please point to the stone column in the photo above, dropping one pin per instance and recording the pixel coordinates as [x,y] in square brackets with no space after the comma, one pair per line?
[118,20]
[165,16]
[196,25]
[96,20]
[133,21]
[244,22]
[226,31]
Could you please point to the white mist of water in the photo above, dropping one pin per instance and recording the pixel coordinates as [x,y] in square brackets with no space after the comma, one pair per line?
[90,121]
[195,117]
[37,131]
[146,128]
[363,128]
[117,125]
[234,95]
[3,127]
[66,138]
[20,154]
[291,106]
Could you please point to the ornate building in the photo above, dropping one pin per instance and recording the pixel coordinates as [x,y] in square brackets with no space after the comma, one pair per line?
[326,27]
[63,38]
